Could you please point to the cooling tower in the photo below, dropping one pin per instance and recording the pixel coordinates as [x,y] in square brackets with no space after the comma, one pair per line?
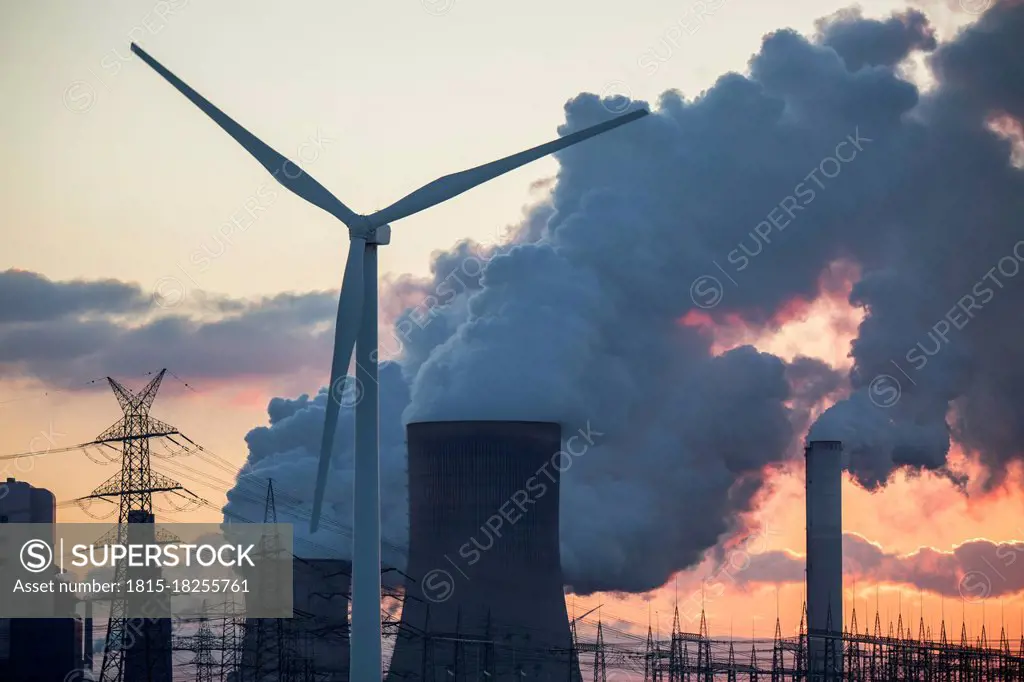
[824,559]
[484,596]
[315,640]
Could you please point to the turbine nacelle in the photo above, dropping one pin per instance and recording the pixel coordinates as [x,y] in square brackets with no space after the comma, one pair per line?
[379,236]
[369,228]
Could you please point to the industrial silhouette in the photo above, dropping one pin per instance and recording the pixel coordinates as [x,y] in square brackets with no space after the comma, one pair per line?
[482,597]
[356,329]
[504,616]
[135,649]
[316,639]
[33,649]
[145,654]
[480,577]
[824,498]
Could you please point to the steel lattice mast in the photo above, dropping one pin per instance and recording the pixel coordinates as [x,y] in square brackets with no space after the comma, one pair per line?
[203,648]
[134,485]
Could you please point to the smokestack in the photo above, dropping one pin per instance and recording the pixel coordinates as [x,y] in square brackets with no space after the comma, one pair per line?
[148,655]
[824,559]
[87,636]
[485,593]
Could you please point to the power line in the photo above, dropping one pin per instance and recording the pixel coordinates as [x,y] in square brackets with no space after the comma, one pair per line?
[49,392]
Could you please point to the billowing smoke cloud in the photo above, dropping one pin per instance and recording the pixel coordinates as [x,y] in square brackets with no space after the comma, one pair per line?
[286,452]
[941,286]
[975,570]
[866,42]
[730,206]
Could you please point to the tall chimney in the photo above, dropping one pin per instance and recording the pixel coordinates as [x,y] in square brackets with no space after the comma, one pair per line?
[824,559]
[87,636]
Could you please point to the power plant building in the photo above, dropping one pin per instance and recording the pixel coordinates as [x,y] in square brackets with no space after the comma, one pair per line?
[484,596]
[36,649]
[315,639]
[23,503]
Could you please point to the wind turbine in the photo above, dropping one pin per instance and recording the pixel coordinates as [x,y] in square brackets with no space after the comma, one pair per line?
[357,326]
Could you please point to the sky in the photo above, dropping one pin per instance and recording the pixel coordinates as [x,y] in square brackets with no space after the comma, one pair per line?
[112,175]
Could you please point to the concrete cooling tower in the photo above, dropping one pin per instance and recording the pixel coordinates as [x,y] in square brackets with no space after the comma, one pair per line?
[315,641]
[484,594]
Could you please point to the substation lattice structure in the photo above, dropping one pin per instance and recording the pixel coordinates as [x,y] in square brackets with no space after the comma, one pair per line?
[899,655]
[868,656]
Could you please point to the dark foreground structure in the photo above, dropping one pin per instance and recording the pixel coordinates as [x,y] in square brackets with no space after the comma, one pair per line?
[484,599]
[896,652]
[36,650]
[903,654]
[824,500]
[40,650]
[148,647]
[314,644]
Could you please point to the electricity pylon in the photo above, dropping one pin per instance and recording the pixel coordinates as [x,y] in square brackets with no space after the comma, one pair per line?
[134,486]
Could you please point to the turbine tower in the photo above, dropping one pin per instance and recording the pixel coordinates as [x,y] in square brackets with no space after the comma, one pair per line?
[356,327]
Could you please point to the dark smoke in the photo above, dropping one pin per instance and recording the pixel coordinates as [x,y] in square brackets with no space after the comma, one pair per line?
[866,42]
[585,317]
[940,288]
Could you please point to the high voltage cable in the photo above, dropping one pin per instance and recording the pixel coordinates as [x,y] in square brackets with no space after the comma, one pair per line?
[79,386]
[47,393]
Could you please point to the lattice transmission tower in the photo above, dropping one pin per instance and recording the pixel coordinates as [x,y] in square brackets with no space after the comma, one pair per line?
[203,649]
[133,486]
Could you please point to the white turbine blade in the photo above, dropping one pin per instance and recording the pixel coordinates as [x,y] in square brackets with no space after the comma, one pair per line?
[455,184]
[350,315]
[285,171]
